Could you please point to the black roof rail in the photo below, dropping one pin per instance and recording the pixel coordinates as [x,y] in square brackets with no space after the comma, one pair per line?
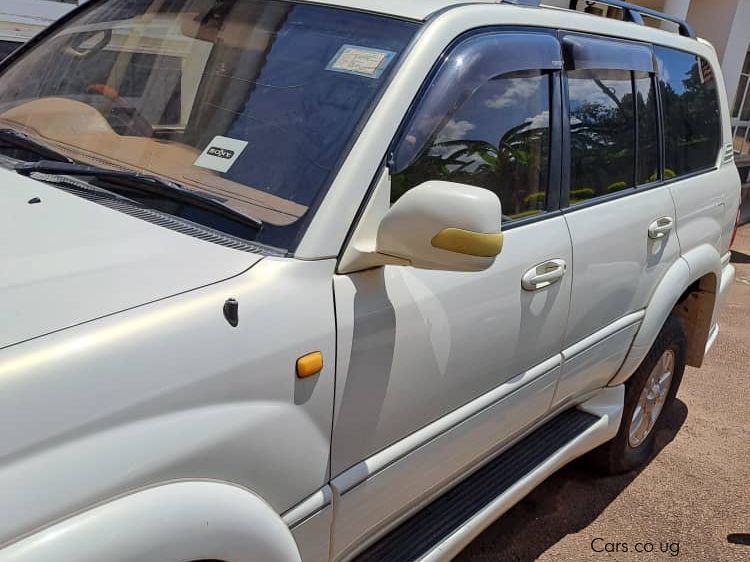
[631,12]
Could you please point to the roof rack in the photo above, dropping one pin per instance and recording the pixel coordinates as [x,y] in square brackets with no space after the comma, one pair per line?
[631,12]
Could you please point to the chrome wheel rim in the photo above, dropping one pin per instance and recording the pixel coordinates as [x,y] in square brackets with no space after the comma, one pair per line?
[652,399]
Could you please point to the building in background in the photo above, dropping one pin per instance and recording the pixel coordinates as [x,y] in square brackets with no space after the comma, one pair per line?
[20,20]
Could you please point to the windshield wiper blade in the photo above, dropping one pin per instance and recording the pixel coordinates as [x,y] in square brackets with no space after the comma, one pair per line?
[152,185]
[21,140]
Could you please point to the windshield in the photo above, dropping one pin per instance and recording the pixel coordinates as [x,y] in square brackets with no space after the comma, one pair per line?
[253,102]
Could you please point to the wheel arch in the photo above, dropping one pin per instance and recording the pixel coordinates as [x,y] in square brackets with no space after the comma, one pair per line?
[689,288]
[173,522]
[695,308]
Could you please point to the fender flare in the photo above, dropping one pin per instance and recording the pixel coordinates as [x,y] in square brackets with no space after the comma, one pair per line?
[665,297]
[693,265]
[704,260]
[173,522]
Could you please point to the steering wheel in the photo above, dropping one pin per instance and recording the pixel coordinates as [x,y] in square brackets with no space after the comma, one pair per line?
[129,119]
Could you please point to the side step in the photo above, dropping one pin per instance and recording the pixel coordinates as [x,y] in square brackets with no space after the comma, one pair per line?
[436,531]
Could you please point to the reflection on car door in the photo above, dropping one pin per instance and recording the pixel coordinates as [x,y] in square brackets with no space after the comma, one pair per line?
[419,350]
[619,213]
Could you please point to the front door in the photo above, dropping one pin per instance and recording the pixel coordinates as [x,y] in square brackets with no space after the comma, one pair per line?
[435,369]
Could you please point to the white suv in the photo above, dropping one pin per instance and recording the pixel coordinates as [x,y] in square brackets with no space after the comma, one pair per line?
[343,279]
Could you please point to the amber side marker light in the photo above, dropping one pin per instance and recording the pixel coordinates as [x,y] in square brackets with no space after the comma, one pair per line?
[310,364]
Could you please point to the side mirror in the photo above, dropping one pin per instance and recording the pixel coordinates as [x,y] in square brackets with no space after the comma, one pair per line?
[443,225]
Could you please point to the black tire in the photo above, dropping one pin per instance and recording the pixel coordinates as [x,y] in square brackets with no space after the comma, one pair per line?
[618,456]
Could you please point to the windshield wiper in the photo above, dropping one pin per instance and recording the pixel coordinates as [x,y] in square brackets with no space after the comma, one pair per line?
[152,185]
[23,141]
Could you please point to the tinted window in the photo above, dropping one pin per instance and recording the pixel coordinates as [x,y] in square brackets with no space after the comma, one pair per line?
[692,126]
[7,47]
[278,89]
[648,131]
[602,130]
[497,139]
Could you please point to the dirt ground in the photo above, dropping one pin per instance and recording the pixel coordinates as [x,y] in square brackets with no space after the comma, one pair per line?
[692,500]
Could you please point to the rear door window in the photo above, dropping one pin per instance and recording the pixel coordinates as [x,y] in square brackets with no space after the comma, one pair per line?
[602,132]
[690,102]
[613,116]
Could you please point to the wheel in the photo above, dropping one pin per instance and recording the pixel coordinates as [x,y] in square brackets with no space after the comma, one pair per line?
[648,394]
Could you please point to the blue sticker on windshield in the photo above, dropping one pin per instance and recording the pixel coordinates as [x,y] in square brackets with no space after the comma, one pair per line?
[361,61]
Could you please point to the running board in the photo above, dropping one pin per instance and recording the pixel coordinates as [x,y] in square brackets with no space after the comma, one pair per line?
[444,527]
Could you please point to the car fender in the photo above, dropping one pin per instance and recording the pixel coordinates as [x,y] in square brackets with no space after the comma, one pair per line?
[692,266]
[663,300]
[174,522]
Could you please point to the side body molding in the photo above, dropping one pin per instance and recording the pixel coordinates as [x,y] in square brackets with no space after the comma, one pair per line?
[186,520]
[668,292]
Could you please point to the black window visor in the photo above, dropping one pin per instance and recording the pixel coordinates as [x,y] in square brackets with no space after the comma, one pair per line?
[583,52]
[467,67]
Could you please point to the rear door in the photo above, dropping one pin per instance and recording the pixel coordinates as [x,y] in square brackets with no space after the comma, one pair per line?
[617,206]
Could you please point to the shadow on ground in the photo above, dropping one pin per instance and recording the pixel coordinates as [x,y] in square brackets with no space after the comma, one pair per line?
[565,503]
[739,538]
[739,257]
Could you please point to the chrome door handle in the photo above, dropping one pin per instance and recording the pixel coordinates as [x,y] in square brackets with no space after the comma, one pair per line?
[543,275]
[660,227]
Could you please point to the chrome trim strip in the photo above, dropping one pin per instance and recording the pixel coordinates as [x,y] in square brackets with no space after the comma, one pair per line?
[308,506]
[602,334]
[725,259]
[377,462]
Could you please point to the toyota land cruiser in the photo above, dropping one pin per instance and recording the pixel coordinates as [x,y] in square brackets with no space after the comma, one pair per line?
[344,279]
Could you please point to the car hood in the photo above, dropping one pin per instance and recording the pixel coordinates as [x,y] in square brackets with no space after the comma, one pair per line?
[66,260]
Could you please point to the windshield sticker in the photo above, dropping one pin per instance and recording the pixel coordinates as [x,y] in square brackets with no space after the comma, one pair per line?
[220,154]
[362,61]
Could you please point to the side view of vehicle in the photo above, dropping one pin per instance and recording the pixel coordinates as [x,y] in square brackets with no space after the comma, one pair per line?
[343,280]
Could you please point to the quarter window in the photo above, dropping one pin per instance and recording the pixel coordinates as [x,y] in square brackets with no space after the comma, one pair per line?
[692,126]
[497,139]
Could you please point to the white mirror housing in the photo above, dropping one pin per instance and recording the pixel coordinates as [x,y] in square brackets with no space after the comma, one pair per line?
[443,225]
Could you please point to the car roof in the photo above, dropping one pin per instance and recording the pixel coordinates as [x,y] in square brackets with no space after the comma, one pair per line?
[409,9]
[421,10]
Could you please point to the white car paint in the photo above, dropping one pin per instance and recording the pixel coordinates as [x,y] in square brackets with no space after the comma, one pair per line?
[407,228]
[372,501]
[82,261]
[169,391]
[141,392]
[214,513]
